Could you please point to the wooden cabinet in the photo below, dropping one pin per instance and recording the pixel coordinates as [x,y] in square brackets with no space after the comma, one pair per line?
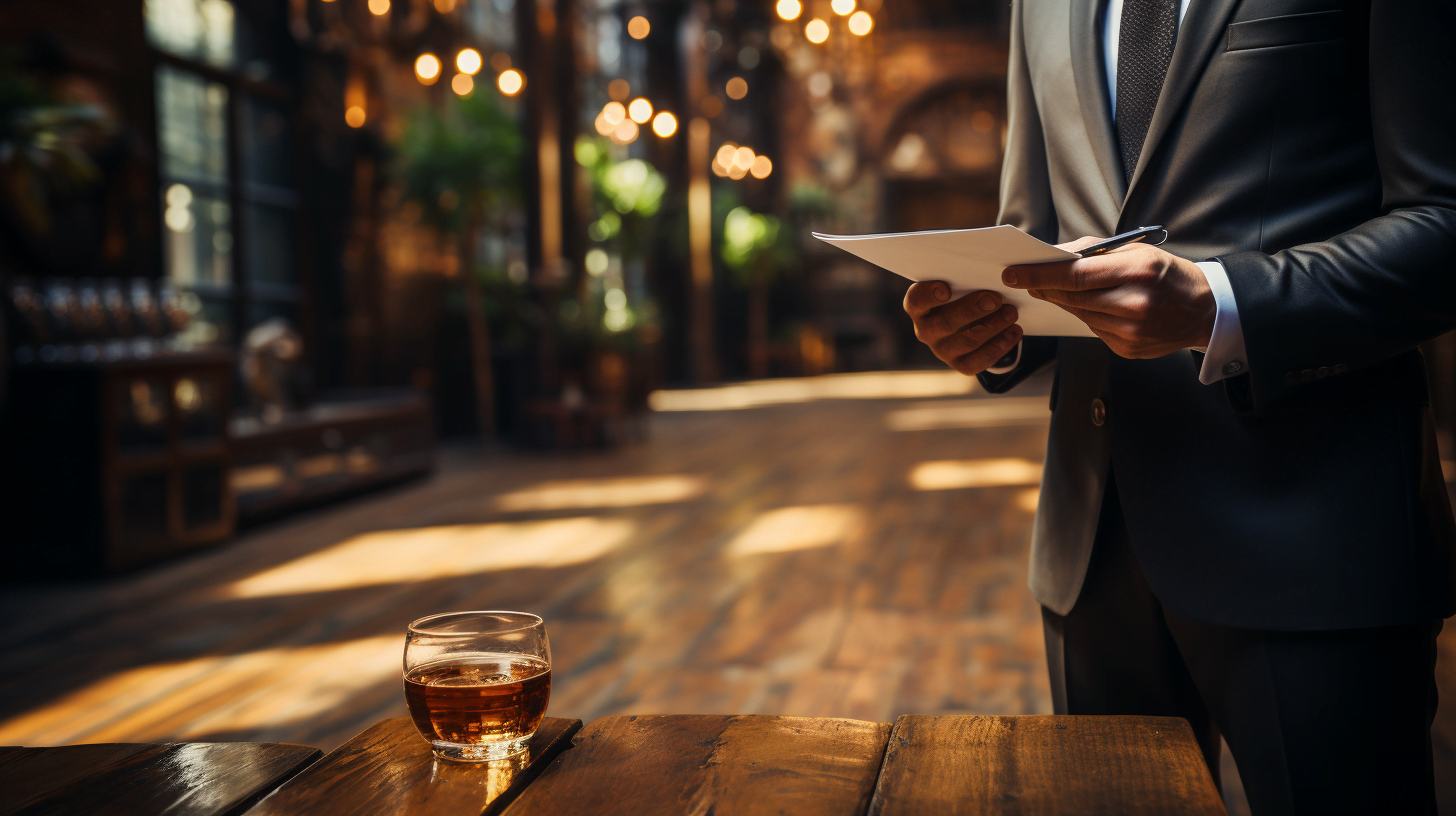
[112,464]
[348,443]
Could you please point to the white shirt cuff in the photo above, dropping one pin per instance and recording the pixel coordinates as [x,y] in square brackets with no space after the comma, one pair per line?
[1225,356]
[1007,369]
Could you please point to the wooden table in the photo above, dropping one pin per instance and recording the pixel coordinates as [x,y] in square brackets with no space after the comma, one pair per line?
[193,779]
[750,765]
[670,765]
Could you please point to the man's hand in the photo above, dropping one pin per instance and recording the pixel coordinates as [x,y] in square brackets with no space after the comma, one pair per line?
[1143,302]
[968,334]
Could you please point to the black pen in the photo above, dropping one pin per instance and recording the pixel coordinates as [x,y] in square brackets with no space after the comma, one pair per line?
[1140,234]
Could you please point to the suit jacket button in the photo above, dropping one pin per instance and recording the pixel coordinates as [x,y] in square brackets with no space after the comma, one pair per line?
[1306,375]
[1321,372]
[1099,412]
[1233,367]
[1339,369]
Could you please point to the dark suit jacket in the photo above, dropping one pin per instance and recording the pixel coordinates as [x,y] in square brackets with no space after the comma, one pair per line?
[1310,146]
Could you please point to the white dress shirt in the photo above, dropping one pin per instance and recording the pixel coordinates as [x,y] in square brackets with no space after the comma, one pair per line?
[1226,355]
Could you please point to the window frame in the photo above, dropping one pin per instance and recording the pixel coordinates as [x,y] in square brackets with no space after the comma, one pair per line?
[242,293]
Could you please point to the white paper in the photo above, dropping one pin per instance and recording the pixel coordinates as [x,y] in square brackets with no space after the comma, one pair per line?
[970,260]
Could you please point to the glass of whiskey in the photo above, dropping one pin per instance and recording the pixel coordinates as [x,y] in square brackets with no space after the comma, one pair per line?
[477,683]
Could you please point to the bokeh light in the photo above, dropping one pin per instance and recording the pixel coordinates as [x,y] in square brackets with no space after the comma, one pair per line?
[761,167]
[469,61]
[511,82]
[725,154]
[737,88]
[354,116]
[638,27]
[790,9]
[427,68]
[379,7]
[861,23]
[614,113]
[817,31]
[712,106]
[500,61]
[619,90]
[444,6]
[462,84]
[842,7]
[626,132]
[664,124]
[640,110]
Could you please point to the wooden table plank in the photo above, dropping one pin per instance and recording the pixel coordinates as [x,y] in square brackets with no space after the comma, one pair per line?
[30,774]
[182,779]
[389,769]
[722,765]
[1044,765]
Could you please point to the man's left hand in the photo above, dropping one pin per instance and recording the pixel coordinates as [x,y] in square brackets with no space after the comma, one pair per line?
[1142,301]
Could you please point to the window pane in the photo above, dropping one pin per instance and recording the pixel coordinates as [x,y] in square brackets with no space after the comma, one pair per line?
[267,144]
[197,29]
[199,236]
[270,255]
[192,126]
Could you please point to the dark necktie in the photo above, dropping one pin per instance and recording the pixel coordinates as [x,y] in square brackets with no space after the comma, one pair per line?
[1144,48]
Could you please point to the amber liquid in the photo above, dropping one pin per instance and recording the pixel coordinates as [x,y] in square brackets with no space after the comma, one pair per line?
[478,699]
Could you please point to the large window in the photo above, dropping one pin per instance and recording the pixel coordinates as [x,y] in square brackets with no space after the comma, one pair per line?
[225,147]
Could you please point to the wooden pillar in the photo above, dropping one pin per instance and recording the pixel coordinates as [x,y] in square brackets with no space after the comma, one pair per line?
[701,337]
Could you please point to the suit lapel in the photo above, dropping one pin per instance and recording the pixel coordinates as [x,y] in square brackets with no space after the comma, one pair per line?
[1201,31]
[1092,93]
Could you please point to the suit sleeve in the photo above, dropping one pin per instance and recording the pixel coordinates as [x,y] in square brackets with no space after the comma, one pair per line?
[1369,294]
[1026,192]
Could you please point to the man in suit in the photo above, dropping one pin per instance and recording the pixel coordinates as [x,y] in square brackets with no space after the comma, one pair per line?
[1243,519]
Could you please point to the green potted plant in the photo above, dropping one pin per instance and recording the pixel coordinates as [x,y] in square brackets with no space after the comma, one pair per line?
[461,165]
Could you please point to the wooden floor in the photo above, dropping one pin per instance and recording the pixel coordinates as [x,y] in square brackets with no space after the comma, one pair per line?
[847,547]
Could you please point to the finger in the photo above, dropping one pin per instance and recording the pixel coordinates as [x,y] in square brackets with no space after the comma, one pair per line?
[1097,272]
[940,321]
[1104,323]
[975,335]
[1117,301]
[926,295]
[986,356]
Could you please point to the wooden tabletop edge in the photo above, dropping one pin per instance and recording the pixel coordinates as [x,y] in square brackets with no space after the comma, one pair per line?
[552,751]
[305,761]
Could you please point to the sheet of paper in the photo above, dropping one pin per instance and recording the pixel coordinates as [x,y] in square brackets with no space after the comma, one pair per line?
[970,260]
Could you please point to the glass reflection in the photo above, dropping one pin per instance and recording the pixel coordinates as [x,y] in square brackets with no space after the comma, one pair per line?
[495,775]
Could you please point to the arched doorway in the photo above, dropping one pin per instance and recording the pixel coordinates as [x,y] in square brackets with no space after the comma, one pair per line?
[942,159]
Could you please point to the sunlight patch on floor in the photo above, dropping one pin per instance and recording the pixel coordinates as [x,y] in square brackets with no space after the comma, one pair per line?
[956,474]
[425,553]
[627,491]
[178,700]
[974,413]
[863,385]
[798,528]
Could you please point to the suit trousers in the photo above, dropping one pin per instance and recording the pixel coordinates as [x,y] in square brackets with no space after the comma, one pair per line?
[1318,722]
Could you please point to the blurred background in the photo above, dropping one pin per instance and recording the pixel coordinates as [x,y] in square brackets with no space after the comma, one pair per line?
[517,299]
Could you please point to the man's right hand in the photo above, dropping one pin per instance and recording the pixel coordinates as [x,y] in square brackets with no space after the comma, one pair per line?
[968,334]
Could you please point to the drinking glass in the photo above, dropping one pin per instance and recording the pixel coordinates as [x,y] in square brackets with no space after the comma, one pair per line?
[477,683]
